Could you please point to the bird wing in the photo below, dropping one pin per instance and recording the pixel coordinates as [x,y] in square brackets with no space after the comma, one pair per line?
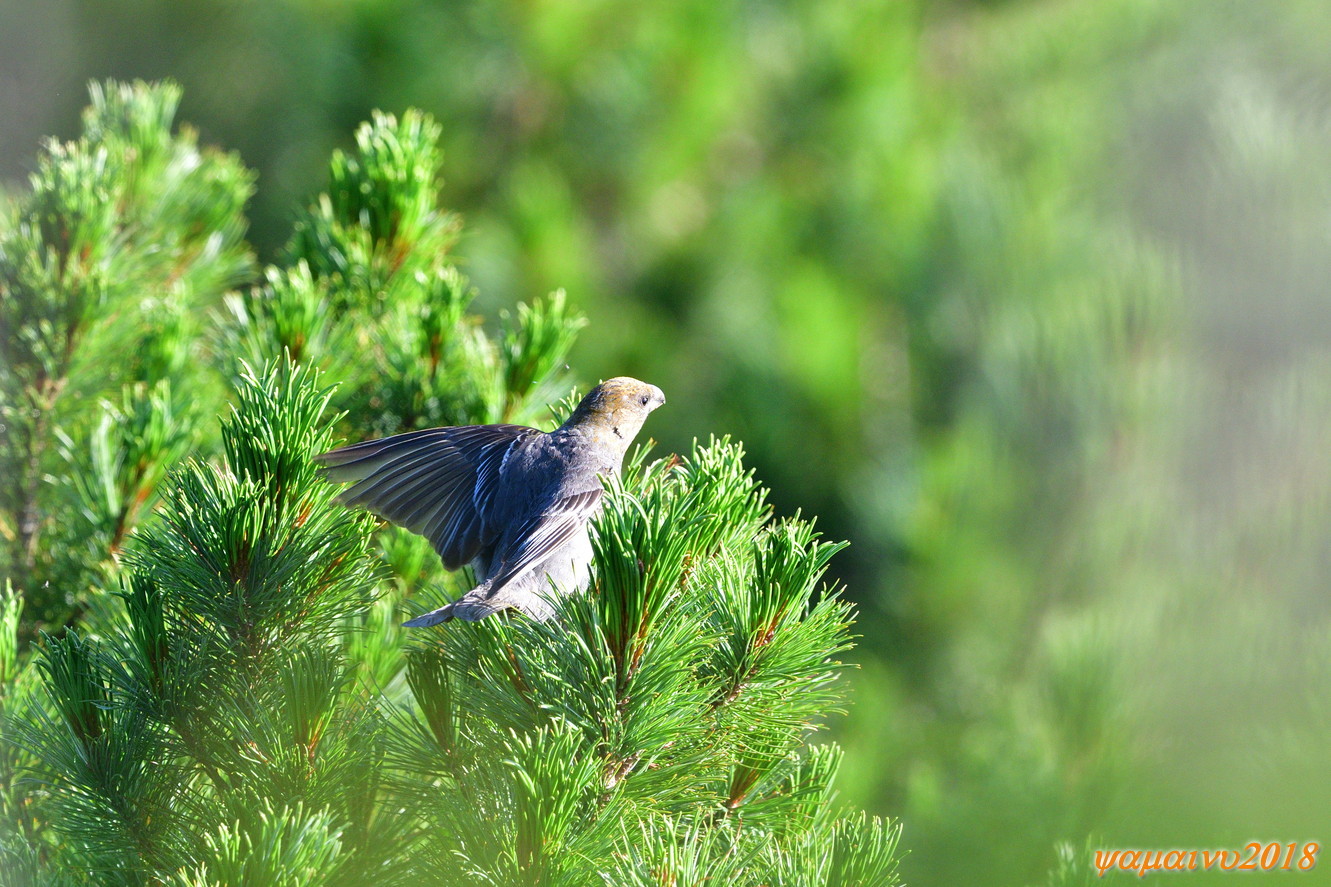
[438,483]
[542,535]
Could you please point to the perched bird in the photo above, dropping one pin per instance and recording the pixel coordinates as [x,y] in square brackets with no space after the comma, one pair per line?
[512,501]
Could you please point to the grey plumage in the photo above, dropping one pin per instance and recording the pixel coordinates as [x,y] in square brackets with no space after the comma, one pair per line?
[511,501]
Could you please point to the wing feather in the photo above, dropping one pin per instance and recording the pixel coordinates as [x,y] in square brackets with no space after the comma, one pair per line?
[414,489]
[435,482]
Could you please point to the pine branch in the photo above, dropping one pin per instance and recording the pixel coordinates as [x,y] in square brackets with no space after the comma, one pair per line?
[121,228]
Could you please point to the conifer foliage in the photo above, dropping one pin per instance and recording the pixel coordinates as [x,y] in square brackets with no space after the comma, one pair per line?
[235,703]
[125,235]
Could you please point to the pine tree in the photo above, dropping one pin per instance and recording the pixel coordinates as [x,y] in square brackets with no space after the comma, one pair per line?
[126,236]
[235,703]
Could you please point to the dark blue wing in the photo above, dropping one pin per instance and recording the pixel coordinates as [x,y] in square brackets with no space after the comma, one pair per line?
[438,483]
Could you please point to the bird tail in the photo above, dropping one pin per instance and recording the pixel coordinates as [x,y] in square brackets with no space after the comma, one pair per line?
[485,600]
[466,608]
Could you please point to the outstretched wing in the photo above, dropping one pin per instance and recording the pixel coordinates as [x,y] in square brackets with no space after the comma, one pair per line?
[543,534]
[438,483]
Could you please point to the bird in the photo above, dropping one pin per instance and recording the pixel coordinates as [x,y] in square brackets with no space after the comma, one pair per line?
[513,502]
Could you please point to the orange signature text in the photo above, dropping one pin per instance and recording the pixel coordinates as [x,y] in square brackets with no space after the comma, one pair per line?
[1293,855]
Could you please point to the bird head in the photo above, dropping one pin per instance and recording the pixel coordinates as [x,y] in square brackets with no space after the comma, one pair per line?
[616,409]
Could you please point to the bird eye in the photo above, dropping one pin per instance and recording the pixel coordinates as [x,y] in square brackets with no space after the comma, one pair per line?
[643,400]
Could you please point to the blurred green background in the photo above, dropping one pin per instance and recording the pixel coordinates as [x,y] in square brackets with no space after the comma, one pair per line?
[1027,299]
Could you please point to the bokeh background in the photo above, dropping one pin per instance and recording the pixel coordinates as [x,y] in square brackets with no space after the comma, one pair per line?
[1029,300]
